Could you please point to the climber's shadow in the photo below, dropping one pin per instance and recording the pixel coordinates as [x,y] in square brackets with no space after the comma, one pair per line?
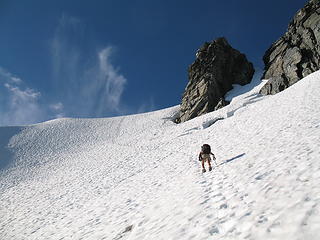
[232,159]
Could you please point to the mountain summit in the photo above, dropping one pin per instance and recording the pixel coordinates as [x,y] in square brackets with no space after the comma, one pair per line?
[216,68]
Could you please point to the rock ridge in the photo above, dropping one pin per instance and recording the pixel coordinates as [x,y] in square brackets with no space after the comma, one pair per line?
[297,53]
[211,75]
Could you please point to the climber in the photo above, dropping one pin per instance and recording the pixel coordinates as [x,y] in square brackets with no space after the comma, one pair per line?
[204,156]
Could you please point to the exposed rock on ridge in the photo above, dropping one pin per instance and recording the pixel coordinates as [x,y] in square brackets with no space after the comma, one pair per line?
[216,68]
[297,53]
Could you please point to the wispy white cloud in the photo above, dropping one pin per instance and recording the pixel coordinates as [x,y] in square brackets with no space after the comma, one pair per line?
[57,109]
[19,104]
[147,106]
[23,106]
[16,80]
[23,95]
[65,47]
[113,81]
[57,106]
[92,88]
[85,82]
[8,77]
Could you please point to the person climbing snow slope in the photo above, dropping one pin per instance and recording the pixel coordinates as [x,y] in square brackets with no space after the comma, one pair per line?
[204,156]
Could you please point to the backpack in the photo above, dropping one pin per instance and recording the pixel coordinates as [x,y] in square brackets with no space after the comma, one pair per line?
[206,149]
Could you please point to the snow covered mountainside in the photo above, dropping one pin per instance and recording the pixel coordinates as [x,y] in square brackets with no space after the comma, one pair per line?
[138,176]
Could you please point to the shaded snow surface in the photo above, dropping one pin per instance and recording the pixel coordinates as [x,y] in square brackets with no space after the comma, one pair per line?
[138,177]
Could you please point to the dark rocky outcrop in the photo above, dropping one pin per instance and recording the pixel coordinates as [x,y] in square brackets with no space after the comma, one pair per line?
[297,53]
[216,68]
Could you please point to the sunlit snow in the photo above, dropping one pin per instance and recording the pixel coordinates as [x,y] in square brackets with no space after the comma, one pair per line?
[138,176]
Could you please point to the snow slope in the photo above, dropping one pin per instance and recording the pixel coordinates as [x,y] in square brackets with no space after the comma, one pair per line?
[137,176]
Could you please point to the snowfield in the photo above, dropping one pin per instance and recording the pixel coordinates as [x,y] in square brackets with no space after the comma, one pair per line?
[138,176]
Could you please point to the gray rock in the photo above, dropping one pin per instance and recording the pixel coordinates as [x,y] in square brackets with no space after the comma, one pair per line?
[297,53]
[216,68]
[222,103]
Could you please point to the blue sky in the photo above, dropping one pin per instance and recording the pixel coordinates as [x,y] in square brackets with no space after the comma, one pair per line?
[109,58]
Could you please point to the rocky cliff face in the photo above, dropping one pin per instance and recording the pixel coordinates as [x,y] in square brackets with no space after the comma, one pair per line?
[297,53]
[216,68]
